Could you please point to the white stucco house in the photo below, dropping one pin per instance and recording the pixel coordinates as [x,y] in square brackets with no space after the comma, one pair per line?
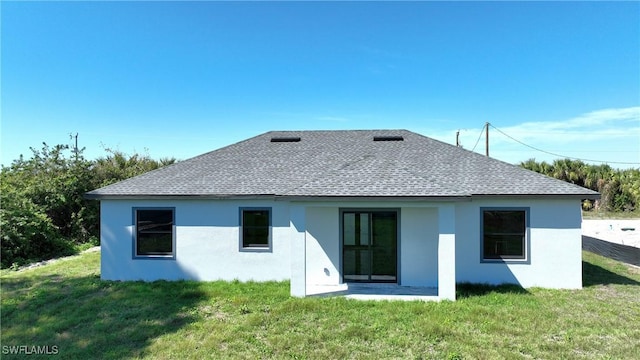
[333,208]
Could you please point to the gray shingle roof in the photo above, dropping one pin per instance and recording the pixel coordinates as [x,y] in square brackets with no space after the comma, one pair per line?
[340,164]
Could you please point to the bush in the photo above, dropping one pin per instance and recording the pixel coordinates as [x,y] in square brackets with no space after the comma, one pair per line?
[44,213]
[27,233]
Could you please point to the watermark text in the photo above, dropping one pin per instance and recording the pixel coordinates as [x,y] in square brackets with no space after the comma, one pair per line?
[30,350]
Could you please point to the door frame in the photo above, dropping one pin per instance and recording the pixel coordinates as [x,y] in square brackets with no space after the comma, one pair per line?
[398,240]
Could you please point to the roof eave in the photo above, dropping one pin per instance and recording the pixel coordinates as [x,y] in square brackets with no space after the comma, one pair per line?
[584,196]
[374,198]
[90,196]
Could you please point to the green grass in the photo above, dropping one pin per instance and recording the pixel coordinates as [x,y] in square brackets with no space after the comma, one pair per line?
[66,304]
[606,215]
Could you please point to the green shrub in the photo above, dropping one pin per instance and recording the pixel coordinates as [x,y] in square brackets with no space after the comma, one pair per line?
[44,213]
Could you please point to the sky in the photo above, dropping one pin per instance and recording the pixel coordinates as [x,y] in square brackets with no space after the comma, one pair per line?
[178,79]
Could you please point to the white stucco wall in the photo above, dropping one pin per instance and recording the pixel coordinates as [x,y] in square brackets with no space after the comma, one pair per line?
[323,246]
[555,253]
[419,247]
[207,243]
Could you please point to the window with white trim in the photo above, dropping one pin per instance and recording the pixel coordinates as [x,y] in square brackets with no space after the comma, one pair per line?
[504,234]
[154,232]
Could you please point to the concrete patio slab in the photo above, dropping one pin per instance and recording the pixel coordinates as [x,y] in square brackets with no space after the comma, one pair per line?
[368,291]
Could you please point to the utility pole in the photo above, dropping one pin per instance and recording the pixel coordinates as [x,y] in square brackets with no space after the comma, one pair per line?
[75,148]
[486,145]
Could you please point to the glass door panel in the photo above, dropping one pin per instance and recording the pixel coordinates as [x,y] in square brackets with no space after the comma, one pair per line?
[356,265]
[370,246]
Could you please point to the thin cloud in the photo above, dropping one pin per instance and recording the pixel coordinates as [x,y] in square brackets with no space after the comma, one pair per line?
[608,135]
[596,125]
[602,117]
[583,123]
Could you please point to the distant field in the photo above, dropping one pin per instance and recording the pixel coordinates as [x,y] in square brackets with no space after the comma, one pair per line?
[65,305]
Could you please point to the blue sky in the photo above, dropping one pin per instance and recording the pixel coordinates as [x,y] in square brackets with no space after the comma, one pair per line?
[180,79]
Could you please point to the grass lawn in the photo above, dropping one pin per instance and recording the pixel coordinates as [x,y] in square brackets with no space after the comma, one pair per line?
[606,215]
[64,304]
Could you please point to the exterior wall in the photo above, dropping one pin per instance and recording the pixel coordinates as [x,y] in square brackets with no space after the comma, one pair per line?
[555,245]
[419,247]
[417,244]
[323,246]
[207,243]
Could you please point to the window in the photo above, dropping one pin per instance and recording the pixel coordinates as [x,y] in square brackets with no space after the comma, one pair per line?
[256,228]
[504,234]
[154,233]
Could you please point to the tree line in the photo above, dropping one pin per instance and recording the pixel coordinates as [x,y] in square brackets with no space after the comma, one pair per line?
[619,189]
[43,212]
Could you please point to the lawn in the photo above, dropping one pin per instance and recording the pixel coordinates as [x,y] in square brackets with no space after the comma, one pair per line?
[65,306]
[607,215]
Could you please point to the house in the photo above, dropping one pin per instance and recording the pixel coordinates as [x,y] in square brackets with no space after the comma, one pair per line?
[332,208]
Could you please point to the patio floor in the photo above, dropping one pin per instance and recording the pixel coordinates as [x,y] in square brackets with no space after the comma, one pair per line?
[368,291]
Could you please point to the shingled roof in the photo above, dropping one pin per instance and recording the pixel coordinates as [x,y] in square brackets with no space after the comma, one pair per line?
[354,163]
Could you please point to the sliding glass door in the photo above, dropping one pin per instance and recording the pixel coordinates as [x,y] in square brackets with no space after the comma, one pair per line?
[370,242]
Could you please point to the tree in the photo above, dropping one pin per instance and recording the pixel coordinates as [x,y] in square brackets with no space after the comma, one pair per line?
[118,166]
[44,213]
[43,209]
[619,189]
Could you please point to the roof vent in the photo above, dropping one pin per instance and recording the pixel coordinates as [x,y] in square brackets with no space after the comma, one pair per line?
[286,139]
[388,138]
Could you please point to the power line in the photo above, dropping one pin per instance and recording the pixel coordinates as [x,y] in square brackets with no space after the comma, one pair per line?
[479,136]
[554,154]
